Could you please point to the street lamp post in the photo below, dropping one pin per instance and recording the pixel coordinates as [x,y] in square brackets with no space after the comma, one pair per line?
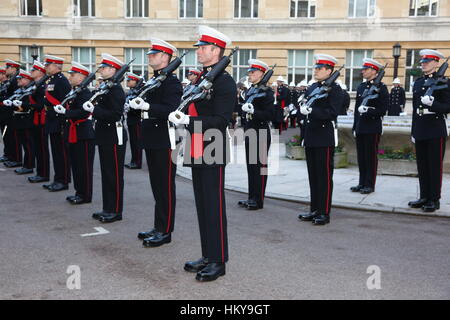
[396,53]
[34,52]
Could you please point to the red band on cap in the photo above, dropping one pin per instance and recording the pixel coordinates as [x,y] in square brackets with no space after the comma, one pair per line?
[331,63]
[216,41]
[164,49]
[80,71]
[112,63]
[25,76]
[13,64]
[258,67]
[371,66]
[194,71]
[431,57]
[38,68]
[54,61]
[2,71]
[133,78]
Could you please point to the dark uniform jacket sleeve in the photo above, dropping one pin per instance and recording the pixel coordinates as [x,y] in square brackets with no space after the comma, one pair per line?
[330,112]
[380,104]
[441,101]
[170,98]
[264,107]
[111,109]
[76,111]
[38,96]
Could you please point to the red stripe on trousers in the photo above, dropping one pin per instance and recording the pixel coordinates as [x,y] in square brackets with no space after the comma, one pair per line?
[66,178]
[87,167]
[441,161]
[17,146]
[117,178]
[44,156]
[375,162]
[327,209]
[221,212]
[30,156]
[170,191]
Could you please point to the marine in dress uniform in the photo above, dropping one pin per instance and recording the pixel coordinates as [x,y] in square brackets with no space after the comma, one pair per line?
[397,99]
[301,88]
[3,86]
[156,140]
[429,132]
[292,103]
[282,96]
[39,133]
[319,140]
[79,134]
[57,88]
[208,169]
[367,127]
[23,124]
[13,158]
[257,137]
[111,141]
[345,100]
[134,122]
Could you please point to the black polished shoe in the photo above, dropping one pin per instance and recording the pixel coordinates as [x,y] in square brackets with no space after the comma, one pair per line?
[12,164]
[356,188]
[69,198]
[4,159]
[48,186]
[242,203]
[110,217]
[132,165]
[158,239]
[146,234]
[307,216]
[321,220]
[23,171]
[417,203]
[431,206]
[366,190]
[98,215]
[196,266]
[58,187]
[78,200]
[211,272]
[37,179]
[252,205]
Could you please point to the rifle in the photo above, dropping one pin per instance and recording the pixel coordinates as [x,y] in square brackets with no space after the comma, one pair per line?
[373,92]
[133,93]
[259,90]
[7,83]
[436,83]
[75,91]
[322,92]
[32,87]
[107,85]
[200,91]
[156,82]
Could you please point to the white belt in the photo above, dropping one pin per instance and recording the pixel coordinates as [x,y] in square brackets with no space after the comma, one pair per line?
[424,111]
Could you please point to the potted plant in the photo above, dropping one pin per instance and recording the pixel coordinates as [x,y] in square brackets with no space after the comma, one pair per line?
[294,149]
[340,157]
[398,162]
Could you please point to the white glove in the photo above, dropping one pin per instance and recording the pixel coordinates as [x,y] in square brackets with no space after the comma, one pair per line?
[7,103]
[139,104]
[291,107]
[305,110]
[88,106]
[60,109]
[248,107]
[178,117]
[363,109]
[17,103]
[126,107]
[427,100]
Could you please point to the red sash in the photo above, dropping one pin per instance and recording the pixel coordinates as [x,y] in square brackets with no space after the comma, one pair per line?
[51,98]
[38,116]
[196,138]
[73,130]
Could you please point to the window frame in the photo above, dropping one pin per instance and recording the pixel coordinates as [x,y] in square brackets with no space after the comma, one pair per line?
[91,8]
[144,68]
[353,16]
[184,9]
[350,65]
[29,63]
[92,57]
[309,9]
[291,69]
[184,68]
[143,16]
[414,65]
[252,9]
[253,54]
[25,9]
[429,10]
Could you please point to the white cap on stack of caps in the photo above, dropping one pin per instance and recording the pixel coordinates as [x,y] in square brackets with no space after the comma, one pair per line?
[159,45]
[371,63]
[428,55]
[24,74]
[48,59]
[110,61]
[210,36]
[133,77]
[79,68]
[255,64]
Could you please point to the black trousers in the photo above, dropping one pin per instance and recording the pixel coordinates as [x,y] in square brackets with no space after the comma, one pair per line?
[60,156]
[8,142]
[41,151]
[430,155]
[367,152]
[162,173]
[82,161]
[320,162]
[26,141]
[256,156]
[136,150]
[209,195]
[112,159]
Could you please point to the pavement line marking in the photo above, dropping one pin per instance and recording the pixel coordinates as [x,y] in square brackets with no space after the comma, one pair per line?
[100,231]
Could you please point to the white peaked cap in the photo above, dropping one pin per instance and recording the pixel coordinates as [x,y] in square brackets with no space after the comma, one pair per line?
[280,78]
[255,64]
[325,59]
[429,54]
[396,81]
[371,63]
[209,35]
[12,63]
[302,83]
[38,66]
[292,84]
[77,67]
[53,59]
[159,45]
[109,60]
